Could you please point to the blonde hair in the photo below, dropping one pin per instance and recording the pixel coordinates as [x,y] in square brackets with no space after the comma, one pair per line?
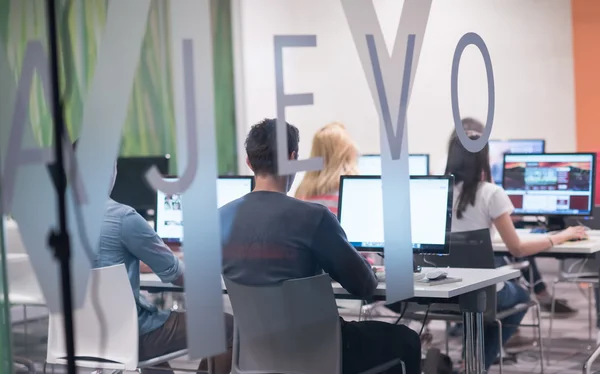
[340,157]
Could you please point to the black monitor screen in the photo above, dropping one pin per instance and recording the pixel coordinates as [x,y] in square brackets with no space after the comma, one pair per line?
[132,188]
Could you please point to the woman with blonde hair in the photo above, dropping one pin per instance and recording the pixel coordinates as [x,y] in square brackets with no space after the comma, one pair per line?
[340,157]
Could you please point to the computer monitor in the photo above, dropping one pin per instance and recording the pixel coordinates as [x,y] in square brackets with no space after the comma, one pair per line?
[360,212]
[552,184]
[418,164]
[498,148]
[169,214]
[131,186]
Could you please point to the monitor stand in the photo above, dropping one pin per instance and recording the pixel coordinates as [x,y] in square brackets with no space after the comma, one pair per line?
[556,223]
[553,223]
[416,268]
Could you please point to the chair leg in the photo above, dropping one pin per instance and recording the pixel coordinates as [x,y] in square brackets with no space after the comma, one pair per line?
[25,340]
[360,310]
[590,290]
[531,282]
[499,323]
[447,338]
[539,331]
[552,307]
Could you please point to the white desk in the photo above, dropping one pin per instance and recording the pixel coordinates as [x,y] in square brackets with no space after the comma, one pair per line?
[472,280]
[468,291]
[585,247]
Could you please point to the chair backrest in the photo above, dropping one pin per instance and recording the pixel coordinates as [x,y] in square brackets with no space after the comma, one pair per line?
[106,326]
[471,250]
[23,285]
[292,327]
[14,242]
[468,249]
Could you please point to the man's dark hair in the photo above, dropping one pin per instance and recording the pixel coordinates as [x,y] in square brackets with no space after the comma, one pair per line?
[261,145]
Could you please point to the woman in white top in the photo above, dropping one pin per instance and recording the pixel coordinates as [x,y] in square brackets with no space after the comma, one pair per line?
[532,273]
[480,204]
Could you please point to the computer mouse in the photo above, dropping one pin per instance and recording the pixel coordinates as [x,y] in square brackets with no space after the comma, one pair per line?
[436,274]
[578,239]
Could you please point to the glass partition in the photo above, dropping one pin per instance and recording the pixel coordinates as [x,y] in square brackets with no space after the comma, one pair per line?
[5,347]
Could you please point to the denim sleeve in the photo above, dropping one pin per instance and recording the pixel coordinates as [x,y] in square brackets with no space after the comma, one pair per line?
[145,244]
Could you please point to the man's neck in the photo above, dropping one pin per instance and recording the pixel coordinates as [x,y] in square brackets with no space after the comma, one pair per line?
[270,183]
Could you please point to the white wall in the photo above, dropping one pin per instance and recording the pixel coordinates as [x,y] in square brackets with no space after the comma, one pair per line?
[529,42]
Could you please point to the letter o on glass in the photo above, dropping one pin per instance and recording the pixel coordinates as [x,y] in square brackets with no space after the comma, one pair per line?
[478,144]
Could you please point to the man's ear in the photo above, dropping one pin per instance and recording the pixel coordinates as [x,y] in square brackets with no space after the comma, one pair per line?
[248,163]
[294,155]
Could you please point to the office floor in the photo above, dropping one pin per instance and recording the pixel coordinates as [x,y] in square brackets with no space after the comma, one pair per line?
[569,349]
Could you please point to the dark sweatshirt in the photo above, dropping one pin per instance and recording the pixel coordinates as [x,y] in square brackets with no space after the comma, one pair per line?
[269,237]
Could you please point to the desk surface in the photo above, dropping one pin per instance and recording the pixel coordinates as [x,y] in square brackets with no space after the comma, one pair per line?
[472,280]
[585,247]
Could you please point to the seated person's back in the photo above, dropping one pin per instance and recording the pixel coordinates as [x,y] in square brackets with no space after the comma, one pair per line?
[269,237]
[126,238]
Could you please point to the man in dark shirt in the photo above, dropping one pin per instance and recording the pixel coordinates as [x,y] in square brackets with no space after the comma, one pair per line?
[269,237]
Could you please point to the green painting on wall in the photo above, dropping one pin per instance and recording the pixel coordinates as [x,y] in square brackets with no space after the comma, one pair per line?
[150,124]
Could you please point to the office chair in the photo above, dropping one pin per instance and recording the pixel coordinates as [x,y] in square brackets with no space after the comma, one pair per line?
[23,362]
[473,249]
[106,327]
[279,330]
[23,286]
[575,271]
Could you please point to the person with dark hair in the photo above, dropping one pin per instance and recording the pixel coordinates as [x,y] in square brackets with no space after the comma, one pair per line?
[478,204]
[269,238]
[531,273]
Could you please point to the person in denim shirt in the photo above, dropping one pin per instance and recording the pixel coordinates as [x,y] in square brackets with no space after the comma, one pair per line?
[127,238]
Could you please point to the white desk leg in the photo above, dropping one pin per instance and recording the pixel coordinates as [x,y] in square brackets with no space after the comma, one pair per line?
[587,365]
[479,345]
[473,306]
[474,360]
[469,348]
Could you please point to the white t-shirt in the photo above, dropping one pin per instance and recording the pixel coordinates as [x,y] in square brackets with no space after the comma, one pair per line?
[491,201]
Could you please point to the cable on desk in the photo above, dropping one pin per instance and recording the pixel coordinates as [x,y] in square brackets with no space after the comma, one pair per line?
[401,313]
[429,262]
[424,320]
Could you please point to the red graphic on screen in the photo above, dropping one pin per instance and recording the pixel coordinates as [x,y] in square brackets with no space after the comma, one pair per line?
[547,176]
[562,177]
